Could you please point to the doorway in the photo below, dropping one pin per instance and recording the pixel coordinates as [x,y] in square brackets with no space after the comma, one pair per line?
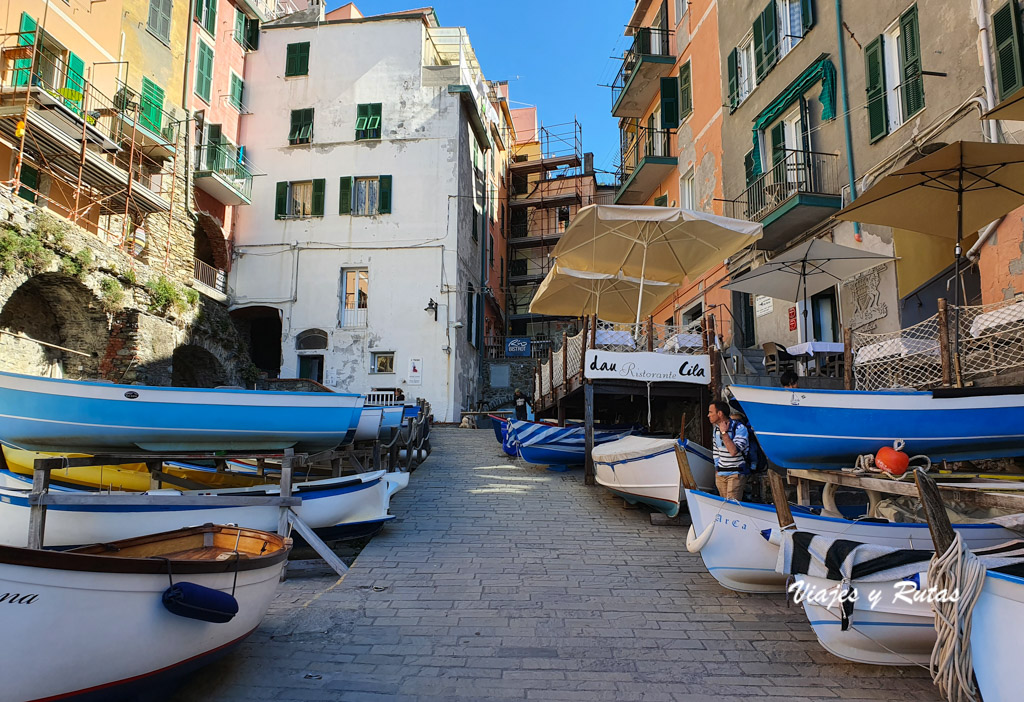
[825,312]
[311,367]
[743,319]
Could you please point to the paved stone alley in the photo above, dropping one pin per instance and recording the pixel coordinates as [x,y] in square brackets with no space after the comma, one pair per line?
[504,581]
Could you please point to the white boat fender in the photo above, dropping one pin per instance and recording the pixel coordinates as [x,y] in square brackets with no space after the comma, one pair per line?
[199,602]
[695,543]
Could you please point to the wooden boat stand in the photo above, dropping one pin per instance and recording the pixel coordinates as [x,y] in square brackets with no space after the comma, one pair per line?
[40,497]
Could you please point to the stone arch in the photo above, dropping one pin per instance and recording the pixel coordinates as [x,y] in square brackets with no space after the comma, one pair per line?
[59,310]
[260,327]
[311,339]
[195,367]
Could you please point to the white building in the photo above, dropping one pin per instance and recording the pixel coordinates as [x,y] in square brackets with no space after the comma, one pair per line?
[366,236]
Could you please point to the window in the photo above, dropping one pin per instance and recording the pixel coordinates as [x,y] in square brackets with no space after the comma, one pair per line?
[1006,36]
[237,90]
[681,7]
[311,339]
[471,315]
[151,106]
[355,296]
[301,131]
[382,362]
[685,92]
[490,251]
[206,15]
[792,23]
[892,63]
[747,74]
[239,33]
[247,31]
[687,191]
[159,23]
[501,273]
[364,196]
[300,199]
[204,71]
[563,218]
[297,59]
[368,121]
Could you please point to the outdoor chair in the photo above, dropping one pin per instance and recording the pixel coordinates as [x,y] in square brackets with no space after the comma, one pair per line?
[777,359]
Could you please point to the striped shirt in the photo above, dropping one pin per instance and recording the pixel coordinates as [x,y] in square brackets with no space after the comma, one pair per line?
[725,462]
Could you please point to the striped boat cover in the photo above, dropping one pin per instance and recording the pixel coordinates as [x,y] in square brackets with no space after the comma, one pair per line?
[536,434]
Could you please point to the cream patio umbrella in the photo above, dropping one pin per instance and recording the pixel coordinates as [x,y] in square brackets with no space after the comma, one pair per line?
[806,270]
[572,293]
[956,190]
[669,244]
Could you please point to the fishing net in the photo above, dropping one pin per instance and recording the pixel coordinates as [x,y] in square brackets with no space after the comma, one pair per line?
[907,358]
[991,338]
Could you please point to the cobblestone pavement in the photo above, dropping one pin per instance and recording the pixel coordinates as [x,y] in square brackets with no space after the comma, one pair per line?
[509,581]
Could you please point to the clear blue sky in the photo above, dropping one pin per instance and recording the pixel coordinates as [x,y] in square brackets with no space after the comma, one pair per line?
[553,53]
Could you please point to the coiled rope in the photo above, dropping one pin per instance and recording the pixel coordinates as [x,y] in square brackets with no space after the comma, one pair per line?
[866,464]
[951,666]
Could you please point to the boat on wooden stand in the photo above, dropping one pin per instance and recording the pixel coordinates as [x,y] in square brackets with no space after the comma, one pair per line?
[545,444]
[111,620]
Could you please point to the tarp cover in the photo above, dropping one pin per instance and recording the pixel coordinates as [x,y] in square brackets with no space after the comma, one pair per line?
[631,448]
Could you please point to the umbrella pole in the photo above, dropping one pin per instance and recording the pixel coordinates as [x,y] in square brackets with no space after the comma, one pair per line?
[956,280]
[640,297]
[803,279]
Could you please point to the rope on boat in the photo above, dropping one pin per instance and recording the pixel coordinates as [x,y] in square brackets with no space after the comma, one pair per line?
[951,666]
[865,463]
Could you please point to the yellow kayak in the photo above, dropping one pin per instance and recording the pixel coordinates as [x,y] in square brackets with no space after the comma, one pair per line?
[133,477]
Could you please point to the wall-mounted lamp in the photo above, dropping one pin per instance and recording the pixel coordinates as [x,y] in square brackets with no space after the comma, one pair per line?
[457,325]
[431,307]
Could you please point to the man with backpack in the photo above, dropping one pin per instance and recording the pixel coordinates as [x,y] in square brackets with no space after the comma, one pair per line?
[731,442]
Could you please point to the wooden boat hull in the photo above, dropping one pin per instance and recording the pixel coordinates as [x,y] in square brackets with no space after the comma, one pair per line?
[996,624]
[93,627]
[325,503]
[737,553]
[643,470]
[830,428]
[46,414]
[890,633]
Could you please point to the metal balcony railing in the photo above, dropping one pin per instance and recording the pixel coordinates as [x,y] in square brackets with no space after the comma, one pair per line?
[227,161]
[647,142]
[647,41]
[798,172]
[210,277]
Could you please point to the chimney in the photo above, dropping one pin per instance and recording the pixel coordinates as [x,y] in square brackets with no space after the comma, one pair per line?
[588,163]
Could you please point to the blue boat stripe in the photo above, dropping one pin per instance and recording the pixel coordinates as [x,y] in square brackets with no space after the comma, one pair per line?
[638,458]
[856,624]
[847,437]
[761,570]
[170,429]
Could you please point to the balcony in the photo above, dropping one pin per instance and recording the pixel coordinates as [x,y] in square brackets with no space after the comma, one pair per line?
[213,278]
[220,173]
[645,165]
[797,193]
[152,130]
[537,234]
[638,82]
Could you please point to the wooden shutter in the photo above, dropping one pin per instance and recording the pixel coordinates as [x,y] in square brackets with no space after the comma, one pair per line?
[1006,32]
[748,167]
[29,183]
[878,109]
[297,59]
[685,92]
[345,200]
[807,14]
[770,38]
[281,207]
[362,117]
[318,197]
[214,154]
[239,33]
[210,18]
[910,63]
[27,37]
[204,72]
[237,87]
[734,85]
[759,61]
[384,195]
[151,106]
[669,103]
[778,137]
[74,81]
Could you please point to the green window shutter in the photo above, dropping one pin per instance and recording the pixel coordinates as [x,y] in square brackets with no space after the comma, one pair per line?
[301,131]
[878,109]
[384,195]
[199,9]
[239,33]
[685,91]
[318,197]
[759,61]
[734,85]
[778,137]
[29,179]
[770,38]
[748,167]
[345,201]
[661,201]
[204,72]
[1007,35]
[151,106]
[807,14]
[159,22]
[210,20]
[27,37]
[74,82]
[362,117]
[281,208]
[669,103]
[910,63]
[297,59]
[237,88]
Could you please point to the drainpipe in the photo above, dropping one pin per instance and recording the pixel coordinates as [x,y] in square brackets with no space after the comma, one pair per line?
[846,112]
[187,123]
[481,297]
[984,25]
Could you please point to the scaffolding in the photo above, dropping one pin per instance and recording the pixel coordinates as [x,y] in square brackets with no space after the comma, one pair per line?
[547,187]
[109,162]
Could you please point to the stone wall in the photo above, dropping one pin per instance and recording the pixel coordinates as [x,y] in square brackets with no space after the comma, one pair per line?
[521,375]
[128,320]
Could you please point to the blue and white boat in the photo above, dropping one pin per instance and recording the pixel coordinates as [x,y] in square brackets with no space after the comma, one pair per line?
[345,507]
[824,429]
[47,414]
[499,424]
[642,469]
[996,623]
[370,420]
[545,444]
[391,419]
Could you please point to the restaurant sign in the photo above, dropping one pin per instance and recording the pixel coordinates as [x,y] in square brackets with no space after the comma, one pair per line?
[763,305]
[648,367]
[517,346]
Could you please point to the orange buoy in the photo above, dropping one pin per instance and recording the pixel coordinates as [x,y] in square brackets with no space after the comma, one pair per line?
[892,461]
